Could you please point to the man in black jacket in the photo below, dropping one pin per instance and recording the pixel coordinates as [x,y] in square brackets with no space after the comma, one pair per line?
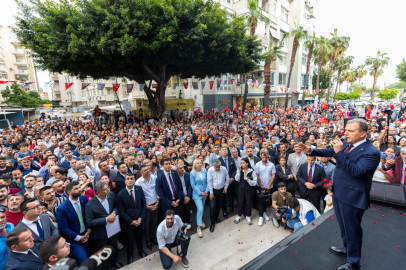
[120,181]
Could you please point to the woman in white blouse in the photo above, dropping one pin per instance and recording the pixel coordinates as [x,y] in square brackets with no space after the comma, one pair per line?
[247,179]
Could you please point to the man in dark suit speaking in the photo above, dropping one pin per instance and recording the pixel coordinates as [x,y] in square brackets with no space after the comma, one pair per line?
[357,160]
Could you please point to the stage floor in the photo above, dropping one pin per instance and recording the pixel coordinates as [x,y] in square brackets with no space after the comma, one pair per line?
[384,243]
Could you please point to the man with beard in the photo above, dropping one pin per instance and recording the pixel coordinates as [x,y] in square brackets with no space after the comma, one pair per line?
[166,236]
[5,229]
[280,198]
[27,166]
[29,183]
[3,195]
[47,194]
[253,159]
[71,222]
[13,213]
[17,179]
[3,167]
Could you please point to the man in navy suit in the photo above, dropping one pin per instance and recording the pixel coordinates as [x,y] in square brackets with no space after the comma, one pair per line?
[228,163]
[311,176]
[185,204]
[72,222]
[22,252]
[120,181]
[100,210]
[131,207]
[169,188]
[357,160]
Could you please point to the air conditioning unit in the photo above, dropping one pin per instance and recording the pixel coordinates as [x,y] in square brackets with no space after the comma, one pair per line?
[11,69]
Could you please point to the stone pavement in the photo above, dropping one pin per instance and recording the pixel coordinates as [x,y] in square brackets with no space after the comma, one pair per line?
[229,247]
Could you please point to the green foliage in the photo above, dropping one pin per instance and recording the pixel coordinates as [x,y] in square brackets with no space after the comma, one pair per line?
[387,94]
[354,95]
[398,85]
[323,80]
[401,71]
[142,40]
[358,88]
[46,101]
[17,96]
[341,96]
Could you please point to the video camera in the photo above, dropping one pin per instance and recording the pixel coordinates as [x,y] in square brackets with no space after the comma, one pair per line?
[267,193]
[181,235]
[99,260]
[283,211]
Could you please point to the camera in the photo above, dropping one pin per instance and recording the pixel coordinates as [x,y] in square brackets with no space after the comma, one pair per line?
[181,235]
[282,211]
[267,193]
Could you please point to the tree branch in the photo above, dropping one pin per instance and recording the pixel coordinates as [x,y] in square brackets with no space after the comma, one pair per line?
[152,74]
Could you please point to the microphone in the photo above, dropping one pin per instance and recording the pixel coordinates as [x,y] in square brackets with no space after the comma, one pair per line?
[99,260]
[343,139]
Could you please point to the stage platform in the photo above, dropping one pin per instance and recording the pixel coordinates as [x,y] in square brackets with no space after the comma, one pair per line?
[384,243]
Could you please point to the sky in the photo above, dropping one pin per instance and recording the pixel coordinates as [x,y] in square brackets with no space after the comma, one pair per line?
[372,25]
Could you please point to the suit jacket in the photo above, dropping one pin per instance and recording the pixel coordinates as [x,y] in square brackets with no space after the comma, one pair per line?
[277,156]
[397,170]
[126,207]
[211,158]
[47,226]
[68,220]
[283,176]
[189,190]
[232,168]
[292,162]
[354,172]
[96,215]
[120,183]
[317,179]
[164,190]
[198,185]
[19,261]
[329,170]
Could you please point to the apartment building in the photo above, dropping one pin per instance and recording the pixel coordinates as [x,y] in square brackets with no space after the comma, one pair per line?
[15,63]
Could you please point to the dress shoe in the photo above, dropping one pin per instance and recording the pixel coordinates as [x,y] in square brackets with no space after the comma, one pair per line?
[218,220]
[212,227]
[338,251]
[130,260]
[231,209]
[117,265]
[142,254]
[154,241]
[149,245]
[225,215]
[349,266]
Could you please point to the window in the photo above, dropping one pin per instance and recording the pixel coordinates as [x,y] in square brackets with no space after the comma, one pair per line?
[282,78]
[83,93]
[304,59]
[284,14]
[56,88]
[225,84]
[226,1]
[309,79]
[273,78]
[265,5]
[284,59]
[272,8]
[283,42]
[261,27]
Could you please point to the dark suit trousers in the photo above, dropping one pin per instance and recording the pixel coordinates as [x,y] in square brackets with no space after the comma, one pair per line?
[150,224]
[165,260]
[349,219]
[112,241]
[232,192]
[245,197]
[130,232]
[185,211]
[164,208]
[216,203]
[315,200]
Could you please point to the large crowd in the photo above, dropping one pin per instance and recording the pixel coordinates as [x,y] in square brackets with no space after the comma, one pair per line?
[70,187]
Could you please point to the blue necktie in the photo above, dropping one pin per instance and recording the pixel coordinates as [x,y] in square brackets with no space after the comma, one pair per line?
[40,230]
[225,161]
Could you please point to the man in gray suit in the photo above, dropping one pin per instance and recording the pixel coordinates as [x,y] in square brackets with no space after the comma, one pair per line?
[39,224]
[295,160]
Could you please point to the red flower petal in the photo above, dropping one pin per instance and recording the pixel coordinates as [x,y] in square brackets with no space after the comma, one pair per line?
[336,231]
[303,234]
[312,223]
[374,222]
[398,246]
[383,215]
[302,239]
[393,211]
[325,179]
[400,213]
[325,185]
[330,182]
[279,246]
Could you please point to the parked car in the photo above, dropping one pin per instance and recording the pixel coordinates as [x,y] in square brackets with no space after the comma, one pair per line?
[344,104]
[86,115]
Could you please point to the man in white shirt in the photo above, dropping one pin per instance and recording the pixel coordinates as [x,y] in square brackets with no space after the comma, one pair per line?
[217,182]
[166,235]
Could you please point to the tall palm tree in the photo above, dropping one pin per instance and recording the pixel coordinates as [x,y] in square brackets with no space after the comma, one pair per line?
[361,71]
[347,76]
[309,44]
[343,63]
[377,63]
[340,45]
[273,53]
[320,53]
[253,16]
[298,34]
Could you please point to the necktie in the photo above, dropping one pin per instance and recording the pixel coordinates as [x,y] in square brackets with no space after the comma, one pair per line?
[80,216]
[225,161]
[40,230]
[348,149]
[172,186]
[132,198]
[33,252]
[309,179]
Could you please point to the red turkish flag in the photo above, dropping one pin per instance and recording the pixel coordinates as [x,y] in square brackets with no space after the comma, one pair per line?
[115,87]
[324,106]
[309,108]
[252,108]
[197,111]
[211,84]
[154,85]
[340,113]
[67,85]
[226,109]
[239,113]
[185,85]
[367,115]
[232,81]
[282,89]
[266,109]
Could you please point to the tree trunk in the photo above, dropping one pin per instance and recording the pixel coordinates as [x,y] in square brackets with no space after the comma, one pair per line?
[373,86]
[329,82]
[267,82]
[292,63]
[319,69]
[244,101]
[309,58]
[253,26]
[338,80]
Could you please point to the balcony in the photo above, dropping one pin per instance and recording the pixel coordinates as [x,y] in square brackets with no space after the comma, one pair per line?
[3,68]
[21,72]
[18,52]
[273,19]
[2,58]
[57,92]
[20,62]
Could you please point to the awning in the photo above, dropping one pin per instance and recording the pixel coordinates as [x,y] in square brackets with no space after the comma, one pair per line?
[274,34]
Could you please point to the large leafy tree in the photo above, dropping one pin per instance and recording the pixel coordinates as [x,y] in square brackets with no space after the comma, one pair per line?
[14,95]
[299,34]
[273,53]
[387,94]
[343,63]
[376,64]
[401,71]
[309,44]
[142,40]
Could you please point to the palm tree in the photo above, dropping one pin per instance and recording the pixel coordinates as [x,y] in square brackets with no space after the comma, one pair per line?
[343,63]
[320,53]
[340,45]
[273,53]
[253,16]
[377,63]
[347,75]
[298,34]
[309,44]
[361,71]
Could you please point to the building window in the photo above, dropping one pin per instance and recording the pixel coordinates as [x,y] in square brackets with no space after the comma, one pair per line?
[83,93]
[304,59]
[309,79]
[225,84]
[265,5]
[284,59]
[273,78]
[272,8]
[284,14]
[56,88]
[282,78]
[226,1]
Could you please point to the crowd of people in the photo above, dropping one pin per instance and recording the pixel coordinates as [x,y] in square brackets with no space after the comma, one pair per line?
[68,187]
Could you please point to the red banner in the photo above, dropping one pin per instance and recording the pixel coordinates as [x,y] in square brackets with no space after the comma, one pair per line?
[226,109]
[67,85]
[324,106]
[266,109]
[115,87]
[154,85]
[185,85]
[340,113]
[282,89]
[211,84]
[232,81]
[197,111]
